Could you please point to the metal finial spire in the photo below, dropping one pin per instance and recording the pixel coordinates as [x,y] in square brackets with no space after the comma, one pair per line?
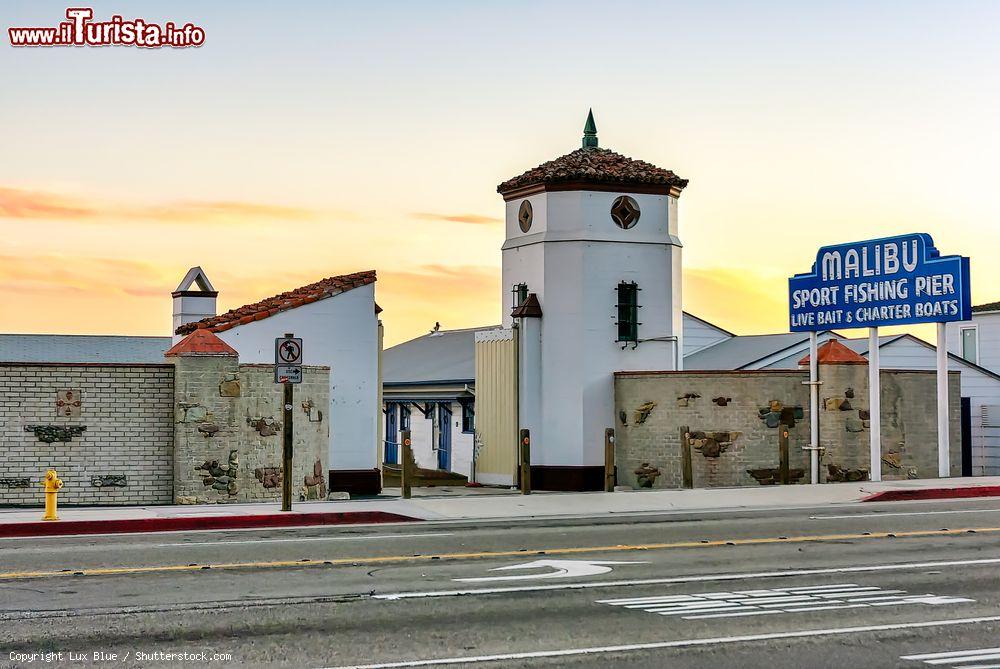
[590,131]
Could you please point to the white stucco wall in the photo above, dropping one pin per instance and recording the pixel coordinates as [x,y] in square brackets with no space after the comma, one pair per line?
[342,333]
[574,261]
[423,441]
[979,387]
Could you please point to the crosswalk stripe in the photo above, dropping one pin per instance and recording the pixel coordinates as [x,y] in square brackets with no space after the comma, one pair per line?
[951,653]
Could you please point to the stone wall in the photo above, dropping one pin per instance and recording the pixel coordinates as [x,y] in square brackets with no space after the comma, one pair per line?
[106,428]
[228,432]
[734,420]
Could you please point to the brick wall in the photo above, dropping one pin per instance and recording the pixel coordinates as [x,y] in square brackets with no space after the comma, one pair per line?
[734,419]
[127,411]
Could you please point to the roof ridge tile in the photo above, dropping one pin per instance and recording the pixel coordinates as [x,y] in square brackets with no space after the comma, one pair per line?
[290,299]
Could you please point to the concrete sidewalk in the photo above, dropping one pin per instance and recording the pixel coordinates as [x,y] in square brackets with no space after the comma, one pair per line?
[454,506]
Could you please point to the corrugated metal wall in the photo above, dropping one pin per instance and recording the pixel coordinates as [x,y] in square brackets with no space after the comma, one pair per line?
[496,407]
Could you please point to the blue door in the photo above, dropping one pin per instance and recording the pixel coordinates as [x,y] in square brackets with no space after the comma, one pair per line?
[444,437]
[391,435]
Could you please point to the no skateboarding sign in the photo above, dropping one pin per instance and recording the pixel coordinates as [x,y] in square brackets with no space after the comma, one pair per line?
[288,360]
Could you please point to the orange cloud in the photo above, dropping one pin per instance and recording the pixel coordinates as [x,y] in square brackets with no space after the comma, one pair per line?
[59,275]
[738,299]
[16,203]
[474,219]
[27,204]
[457,297]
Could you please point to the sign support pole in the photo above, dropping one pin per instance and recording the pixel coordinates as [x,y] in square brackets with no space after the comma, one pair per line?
[874,406]
[813,407]
[286,448]
[944,456]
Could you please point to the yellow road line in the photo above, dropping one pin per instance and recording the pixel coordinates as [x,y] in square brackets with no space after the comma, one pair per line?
[492,554]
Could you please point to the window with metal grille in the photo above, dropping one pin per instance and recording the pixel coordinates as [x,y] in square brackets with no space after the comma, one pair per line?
[520,294]
[468,417]
[628,312]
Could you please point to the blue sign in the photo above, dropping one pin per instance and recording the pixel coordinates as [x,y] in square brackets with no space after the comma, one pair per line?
[891,281]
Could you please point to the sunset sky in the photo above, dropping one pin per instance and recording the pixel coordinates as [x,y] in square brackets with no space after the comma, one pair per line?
[310,139]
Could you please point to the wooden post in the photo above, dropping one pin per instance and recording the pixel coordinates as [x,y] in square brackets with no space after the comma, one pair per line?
[686,467]
[406,457]
[783,476]
[525,446]
[609,460]
[286,448]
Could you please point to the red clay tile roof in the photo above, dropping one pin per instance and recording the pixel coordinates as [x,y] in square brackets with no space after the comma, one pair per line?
[835,353]
[595,165]
[283,302]
[200,342]
[989,306]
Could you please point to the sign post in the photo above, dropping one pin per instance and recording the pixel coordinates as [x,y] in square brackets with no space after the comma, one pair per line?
[288,372]
[814,384]
[879,282]
[874,407]
[944,456]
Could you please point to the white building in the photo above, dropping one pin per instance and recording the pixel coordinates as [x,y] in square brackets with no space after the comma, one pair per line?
[337,319]
[428,387]
[436,372]
[978,343]
[592,258]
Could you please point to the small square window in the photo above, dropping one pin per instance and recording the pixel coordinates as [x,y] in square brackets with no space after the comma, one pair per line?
[628,312]
[970,344]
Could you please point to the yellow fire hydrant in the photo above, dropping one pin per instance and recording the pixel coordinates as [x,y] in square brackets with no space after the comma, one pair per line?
[52,485]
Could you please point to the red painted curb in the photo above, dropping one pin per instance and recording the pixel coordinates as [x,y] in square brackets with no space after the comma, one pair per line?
[63,527]
[934,493]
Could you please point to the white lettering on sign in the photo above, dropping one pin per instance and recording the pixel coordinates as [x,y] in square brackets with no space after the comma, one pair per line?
[885,259]
[563,569]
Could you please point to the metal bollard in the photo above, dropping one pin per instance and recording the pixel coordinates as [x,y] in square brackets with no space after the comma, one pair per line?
[52,485]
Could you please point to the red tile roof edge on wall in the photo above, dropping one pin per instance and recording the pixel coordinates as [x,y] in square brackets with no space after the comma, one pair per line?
[270,306]
[200,342]
[834,353]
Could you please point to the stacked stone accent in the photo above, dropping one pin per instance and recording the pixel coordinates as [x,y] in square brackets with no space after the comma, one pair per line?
[115,447]
[734,419]
[228,431]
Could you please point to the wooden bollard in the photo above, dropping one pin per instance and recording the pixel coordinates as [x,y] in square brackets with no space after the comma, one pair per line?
[609,460]
[406,457]
[524,444]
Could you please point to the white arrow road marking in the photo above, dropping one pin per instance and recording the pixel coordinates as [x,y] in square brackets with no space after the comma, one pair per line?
[777,600]
[702,578]
[563,569]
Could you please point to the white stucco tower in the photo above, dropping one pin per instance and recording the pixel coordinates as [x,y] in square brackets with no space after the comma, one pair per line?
[593,259]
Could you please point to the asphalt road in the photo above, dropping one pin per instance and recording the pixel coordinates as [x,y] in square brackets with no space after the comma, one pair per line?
[864,585]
